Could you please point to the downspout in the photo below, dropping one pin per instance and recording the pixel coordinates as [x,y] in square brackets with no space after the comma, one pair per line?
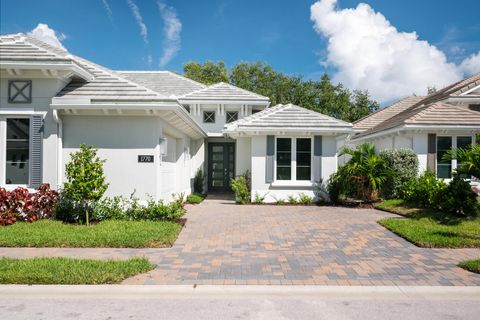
[59,122]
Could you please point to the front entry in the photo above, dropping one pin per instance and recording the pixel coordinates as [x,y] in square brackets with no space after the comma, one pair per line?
[221,165]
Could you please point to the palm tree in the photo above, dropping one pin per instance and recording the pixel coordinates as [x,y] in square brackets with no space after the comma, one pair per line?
[366,169]
[468,160]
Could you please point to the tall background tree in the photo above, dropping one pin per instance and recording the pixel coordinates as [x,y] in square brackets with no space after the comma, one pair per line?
[322,96]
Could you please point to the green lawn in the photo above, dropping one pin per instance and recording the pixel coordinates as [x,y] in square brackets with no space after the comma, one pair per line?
[114,234]
[70,271]
[432,229]
[471,265]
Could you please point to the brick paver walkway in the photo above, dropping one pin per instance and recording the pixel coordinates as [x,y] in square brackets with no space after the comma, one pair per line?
[223,243]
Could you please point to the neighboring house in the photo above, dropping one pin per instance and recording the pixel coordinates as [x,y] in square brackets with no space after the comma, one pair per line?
[154,128]
[432,125]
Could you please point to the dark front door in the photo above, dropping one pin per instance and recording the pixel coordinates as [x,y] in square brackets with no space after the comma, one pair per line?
[221,166]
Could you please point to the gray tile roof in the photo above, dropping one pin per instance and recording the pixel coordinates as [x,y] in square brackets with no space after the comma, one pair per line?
[376,118]
[431,110]
[163,82]
[288,118]
[18,47]
[224,92]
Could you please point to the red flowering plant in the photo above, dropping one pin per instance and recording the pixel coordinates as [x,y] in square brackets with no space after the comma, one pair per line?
[21,205]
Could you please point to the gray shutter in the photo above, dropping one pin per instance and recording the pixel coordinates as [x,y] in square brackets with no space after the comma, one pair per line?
[36,152]
[432,151]
[269,160]
[317,158]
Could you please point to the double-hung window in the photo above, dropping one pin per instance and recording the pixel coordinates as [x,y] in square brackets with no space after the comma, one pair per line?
[17,151]
[294,159]
[444,144]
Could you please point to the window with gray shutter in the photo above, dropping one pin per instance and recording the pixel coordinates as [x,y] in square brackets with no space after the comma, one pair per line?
[36,152]
[432,151]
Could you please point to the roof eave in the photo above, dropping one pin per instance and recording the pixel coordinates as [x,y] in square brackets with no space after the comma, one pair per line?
[419,127]
[223,101]
[48,65]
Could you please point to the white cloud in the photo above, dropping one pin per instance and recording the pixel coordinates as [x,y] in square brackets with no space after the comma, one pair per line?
[471,64]
[171,32]
[108,9]
[139,19]
[367,52]
[44,33]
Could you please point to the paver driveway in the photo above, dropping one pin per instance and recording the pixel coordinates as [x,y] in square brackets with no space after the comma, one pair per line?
[223,243]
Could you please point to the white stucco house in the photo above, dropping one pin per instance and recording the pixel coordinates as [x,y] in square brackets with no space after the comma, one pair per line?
[431,125]
[154,128]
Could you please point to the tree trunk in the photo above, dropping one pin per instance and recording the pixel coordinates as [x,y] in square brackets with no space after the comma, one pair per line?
[86,215]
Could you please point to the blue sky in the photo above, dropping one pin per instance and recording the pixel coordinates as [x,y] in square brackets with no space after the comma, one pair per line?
[280,33]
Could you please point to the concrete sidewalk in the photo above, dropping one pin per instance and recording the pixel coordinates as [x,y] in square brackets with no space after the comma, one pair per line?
[238,302]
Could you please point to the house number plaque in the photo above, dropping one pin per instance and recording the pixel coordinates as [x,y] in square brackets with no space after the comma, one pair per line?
[145,158]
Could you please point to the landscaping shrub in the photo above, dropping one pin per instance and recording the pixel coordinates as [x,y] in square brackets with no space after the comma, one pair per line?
[366,171]
[21,205]
[119,208]
[198,182]
[195,198]
[404,166]
[259,199]
[424,191]
[340,186]
[291,199]
[468,160]
[320,189]
[85,178]
[240,188]
[458,198]
[304,199]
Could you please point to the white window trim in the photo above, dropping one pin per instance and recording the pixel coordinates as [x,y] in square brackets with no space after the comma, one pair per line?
[293,168]
[3,161]
[454,146]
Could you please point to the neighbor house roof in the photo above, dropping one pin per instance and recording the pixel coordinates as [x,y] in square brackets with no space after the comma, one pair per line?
[376,118]
[288,118]
[427,111]
[163,82]
[224,92]
[433,114]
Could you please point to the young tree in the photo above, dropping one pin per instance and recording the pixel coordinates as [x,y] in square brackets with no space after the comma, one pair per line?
[86,181]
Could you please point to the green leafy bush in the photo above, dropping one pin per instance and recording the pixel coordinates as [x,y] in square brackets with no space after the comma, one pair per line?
[259,199]
[119,208]
[85,179]
[198,182]
[424,191]
[240,188]
[404,166]
[195,198]
[458,198]
[340,186]
[365,170]
[468,160]
[304,199]
[291,199]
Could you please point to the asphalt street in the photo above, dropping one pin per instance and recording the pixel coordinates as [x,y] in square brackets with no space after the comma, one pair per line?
[240,302]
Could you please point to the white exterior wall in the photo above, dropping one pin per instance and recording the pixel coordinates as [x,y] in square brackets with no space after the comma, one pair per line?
[43,89]
[120,139]
[273,192]
[243,155]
